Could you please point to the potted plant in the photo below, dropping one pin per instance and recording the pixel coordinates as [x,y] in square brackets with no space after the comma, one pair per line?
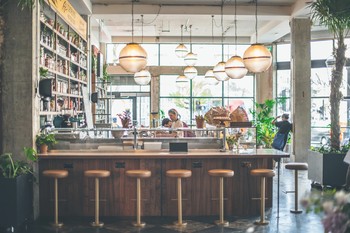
[125,118]
[199,121]
[333,15]
[16,188]
[232,140]
[44,141]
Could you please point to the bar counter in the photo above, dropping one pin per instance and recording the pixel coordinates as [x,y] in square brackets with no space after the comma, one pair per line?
[118,195]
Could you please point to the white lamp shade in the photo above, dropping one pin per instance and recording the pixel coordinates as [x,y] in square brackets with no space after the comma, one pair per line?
[133,58]
[190,72]
[181,50]
[235,68]
[210,79]
[182,81]
[257,58]
[142,77]
[190,59]
[219,71]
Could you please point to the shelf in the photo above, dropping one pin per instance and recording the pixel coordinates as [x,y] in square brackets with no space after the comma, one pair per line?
[49,113]
[47,47]
[77,64]
[66,94]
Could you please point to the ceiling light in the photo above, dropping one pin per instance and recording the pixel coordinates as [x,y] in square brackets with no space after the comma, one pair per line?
[181,50]
[182,81]
[190,72]
[142,77]
[219,71]
[190,58]
[210,79]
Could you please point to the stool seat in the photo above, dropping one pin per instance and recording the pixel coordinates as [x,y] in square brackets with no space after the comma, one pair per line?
[179,173]
[262,172]
[97,173]
[297,166]
[139,173]
[55,173]
[221,172]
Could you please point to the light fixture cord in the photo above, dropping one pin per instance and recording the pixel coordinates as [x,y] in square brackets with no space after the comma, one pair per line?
[222,30]
[235,27]
[212,29]
[132,20]
[191,38]
[256,21]
[182,26]
[141,29]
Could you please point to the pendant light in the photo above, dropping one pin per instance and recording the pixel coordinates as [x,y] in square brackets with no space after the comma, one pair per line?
[190,58]
[209,76]
[219,69]
[181,50]
[143,77]
[190,72]
[133,57]
[182,81]
[234,67]
[257,58]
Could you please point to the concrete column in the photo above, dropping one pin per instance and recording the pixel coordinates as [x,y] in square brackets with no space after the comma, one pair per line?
[264,85]
[301,86]
[155,88]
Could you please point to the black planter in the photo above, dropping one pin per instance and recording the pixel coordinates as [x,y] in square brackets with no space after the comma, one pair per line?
[16,201]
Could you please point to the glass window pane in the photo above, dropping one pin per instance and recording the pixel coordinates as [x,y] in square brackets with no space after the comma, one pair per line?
[320,78]
[143,111]
[168,86]
[321,49]
[233,103]
[283,106]
[283,52]
[320,112]
[200,88]
[239,87]
[152,54]
[201,106]
[168,56]
[207,54]
[320,136]
[182,105]
[113,50]
[283,83]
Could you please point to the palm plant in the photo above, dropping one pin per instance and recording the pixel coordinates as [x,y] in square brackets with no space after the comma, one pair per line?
[335,14]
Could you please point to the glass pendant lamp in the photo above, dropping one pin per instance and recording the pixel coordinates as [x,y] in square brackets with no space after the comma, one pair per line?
[133,57]
[190,72]
[181,50]
[182,81]
[257,58]
[210,79]
[191,58]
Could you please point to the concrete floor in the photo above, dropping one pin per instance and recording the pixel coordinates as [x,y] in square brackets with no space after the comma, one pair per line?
[286,223]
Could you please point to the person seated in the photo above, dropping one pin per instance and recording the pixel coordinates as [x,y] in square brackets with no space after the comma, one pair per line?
[166,123]
[176,122]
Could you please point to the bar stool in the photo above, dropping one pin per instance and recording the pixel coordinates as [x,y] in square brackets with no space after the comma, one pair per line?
[263,173]
[296,167]
[97,174]
[56,174]
[180,173]
[221,173]
[138,174]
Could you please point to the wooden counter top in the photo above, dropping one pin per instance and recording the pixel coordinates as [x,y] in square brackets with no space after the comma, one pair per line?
[197,153]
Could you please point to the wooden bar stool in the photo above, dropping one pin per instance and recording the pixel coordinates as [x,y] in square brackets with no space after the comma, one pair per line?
[138,174]
[56,174]
[179,174]
[221,173]
[296,167]
[97,174]
[263,173]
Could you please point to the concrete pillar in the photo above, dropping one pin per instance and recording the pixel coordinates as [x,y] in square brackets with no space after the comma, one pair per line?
[155,88]
[301,86]
[264,85]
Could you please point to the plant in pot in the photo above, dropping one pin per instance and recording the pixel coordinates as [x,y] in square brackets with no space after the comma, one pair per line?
[199,121]
[44,141]
[333,14]
[125,118]
[16,188]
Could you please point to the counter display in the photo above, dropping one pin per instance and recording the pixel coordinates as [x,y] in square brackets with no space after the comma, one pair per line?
[200,191]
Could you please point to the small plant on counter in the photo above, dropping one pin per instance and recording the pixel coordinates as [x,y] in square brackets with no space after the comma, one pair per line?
[199,121]
[44,141]
[233,140]
[125,118]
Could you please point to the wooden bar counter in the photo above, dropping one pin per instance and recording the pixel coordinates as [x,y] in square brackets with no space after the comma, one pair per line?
[118,195]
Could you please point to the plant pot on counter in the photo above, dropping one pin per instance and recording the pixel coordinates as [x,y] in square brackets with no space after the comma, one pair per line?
[327,169]
[44,148]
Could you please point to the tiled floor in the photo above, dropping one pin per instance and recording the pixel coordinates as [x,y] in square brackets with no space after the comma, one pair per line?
[286,223]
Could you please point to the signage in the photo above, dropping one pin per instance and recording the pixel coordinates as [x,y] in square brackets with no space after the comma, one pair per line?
[70,15]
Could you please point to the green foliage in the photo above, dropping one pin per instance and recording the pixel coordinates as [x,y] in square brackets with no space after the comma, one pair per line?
[11,168]
[331,150]
[47,139]
[161,114]
[43,72]
[106,77]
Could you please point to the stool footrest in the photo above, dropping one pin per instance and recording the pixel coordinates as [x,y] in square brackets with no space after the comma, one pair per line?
[258,198]
[286,192]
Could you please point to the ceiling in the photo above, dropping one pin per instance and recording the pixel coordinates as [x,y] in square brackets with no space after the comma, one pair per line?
[162,20]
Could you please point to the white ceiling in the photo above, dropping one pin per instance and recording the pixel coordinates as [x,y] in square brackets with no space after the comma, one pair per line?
[111,19]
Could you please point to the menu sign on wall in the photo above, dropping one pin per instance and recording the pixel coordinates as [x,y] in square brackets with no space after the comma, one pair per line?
[70,15]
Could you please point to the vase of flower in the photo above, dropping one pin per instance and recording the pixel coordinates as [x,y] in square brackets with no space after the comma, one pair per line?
[125,118]
[199,121]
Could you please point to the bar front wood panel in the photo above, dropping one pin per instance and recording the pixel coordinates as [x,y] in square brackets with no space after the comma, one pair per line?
[159,196]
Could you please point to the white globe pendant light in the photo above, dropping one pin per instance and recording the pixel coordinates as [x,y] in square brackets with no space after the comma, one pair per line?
[210,79]
[182,81]
[190,72]
[235,68]
[219,71]
[191,58]
[142,77]
[257,58]
[181,50]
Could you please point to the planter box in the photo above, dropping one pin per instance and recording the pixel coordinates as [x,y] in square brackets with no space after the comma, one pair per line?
[16,200]
[327,169]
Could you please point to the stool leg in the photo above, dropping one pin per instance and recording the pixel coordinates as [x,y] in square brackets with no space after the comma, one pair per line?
[56,223]
[97,222]
[296,211]
[138,205]
[262,204]
[179,223]
[221,204]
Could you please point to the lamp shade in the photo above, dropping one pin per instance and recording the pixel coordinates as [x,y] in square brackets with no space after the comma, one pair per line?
[190,72]
[190,59]
[219,71]
[133,58]
[257,58]
[235,68]
[210,79]
[142,77]
[181,50]
[182,81]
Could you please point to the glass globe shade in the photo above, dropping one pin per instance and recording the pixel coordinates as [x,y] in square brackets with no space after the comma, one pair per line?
[133,58]
[210,78]
[181,50]
[190,72]
[190,59]
[219,71]
[142,77]
[181,81]
[235,68]
[257,58]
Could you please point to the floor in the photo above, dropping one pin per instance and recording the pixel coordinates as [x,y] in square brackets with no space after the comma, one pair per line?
[286,223]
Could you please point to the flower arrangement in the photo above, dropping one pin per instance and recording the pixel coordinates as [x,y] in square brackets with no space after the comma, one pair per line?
[233,139]
[335,207]
[125,118]
[199,121]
